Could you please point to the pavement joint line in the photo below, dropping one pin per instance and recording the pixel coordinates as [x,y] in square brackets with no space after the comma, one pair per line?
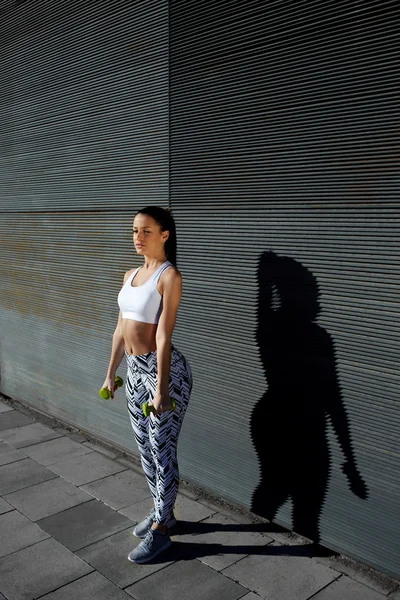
[118,510]
[172,562]
[69,582]
[50,537]
[81,456]
[340,575]
[102,538]
[14,461]
[238,561]
[26,487]
[35,443]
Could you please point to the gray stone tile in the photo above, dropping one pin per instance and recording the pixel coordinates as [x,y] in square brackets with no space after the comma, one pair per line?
[28,434]
[13,418]
[220,542]
[84,524]
[186,579]
[8,454]
[395,595]
[251,596]
[4,506]
[16,532]
[84,469]
[5,407]
[91,587]
[100,449]
[39,569]
[345,587]
[22,474]
[138,511]
[55,451]
[47,498]
[110,557]
[281,576]
[130,464]
[361,573]
[185,510]
[120,489]
[189,493]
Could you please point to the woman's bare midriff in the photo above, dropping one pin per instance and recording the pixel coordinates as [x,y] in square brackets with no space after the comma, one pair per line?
[139,338]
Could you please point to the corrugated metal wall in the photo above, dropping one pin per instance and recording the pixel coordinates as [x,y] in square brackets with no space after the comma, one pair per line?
[83,144]
[284,184]
[281,123]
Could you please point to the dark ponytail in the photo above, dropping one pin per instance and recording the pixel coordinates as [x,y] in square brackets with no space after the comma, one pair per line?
[166,221]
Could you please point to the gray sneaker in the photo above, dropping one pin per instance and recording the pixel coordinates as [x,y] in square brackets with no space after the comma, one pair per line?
[154,543]
[143,527]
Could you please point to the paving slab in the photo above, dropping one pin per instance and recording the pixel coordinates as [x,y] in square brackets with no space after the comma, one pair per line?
[8,454]
[344,587]
[84,524]
[138,511]
[100,449]
[47,498]
[5,408]
[87,468]
[91,587]
[361,573]
[22,474]
[5,506]
[16,532]
[281,576]
[119,490]
[39,569]
[55,451]
[13,418]
[186,579]
[192,495]
[110,557]
[185,510]
[251,596]
[220,542]
[28,434]
[395,595]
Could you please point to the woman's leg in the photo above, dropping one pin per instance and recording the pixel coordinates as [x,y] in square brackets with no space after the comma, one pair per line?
[163,434]
[136,395]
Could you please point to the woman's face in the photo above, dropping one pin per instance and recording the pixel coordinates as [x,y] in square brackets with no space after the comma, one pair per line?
[147,235]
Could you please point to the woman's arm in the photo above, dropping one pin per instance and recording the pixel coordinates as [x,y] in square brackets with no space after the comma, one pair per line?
[172,293]
[117,351]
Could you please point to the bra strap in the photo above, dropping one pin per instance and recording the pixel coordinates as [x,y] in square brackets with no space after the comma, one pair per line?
[163,268]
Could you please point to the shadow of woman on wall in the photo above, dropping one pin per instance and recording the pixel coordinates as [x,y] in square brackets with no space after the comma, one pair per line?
[289,422]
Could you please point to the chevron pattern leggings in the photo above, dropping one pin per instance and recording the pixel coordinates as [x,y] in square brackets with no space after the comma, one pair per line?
[157,437]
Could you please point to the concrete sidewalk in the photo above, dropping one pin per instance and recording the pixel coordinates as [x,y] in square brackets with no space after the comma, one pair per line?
[67,509]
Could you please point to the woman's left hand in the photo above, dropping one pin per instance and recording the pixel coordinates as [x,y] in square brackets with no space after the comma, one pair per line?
[161,403]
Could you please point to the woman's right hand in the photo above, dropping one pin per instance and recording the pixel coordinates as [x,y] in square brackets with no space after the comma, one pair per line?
[109,383]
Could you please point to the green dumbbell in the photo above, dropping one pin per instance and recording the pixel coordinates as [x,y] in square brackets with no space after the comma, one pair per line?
[148,408]
[105,392]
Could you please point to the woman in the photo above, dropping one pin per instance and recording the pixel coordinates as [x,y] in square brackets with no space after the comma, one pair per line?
[157,371]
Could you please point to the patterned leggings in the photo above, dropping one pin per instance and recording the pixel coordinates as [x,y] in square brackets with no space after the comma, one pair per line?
[157,437]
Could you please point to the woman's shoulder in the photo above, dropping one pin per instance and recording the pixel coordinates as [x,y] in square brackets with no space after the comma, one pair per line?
[129,273]
[172,271]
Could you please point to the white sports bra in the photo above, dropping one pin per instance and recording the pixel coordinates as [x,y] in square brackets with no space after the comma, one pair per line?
[142,302]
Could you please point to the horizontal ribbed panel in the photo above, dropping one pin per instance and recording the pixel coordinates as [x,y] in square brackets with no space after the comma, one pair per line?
[84,105]
[83,146]
[284,145]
